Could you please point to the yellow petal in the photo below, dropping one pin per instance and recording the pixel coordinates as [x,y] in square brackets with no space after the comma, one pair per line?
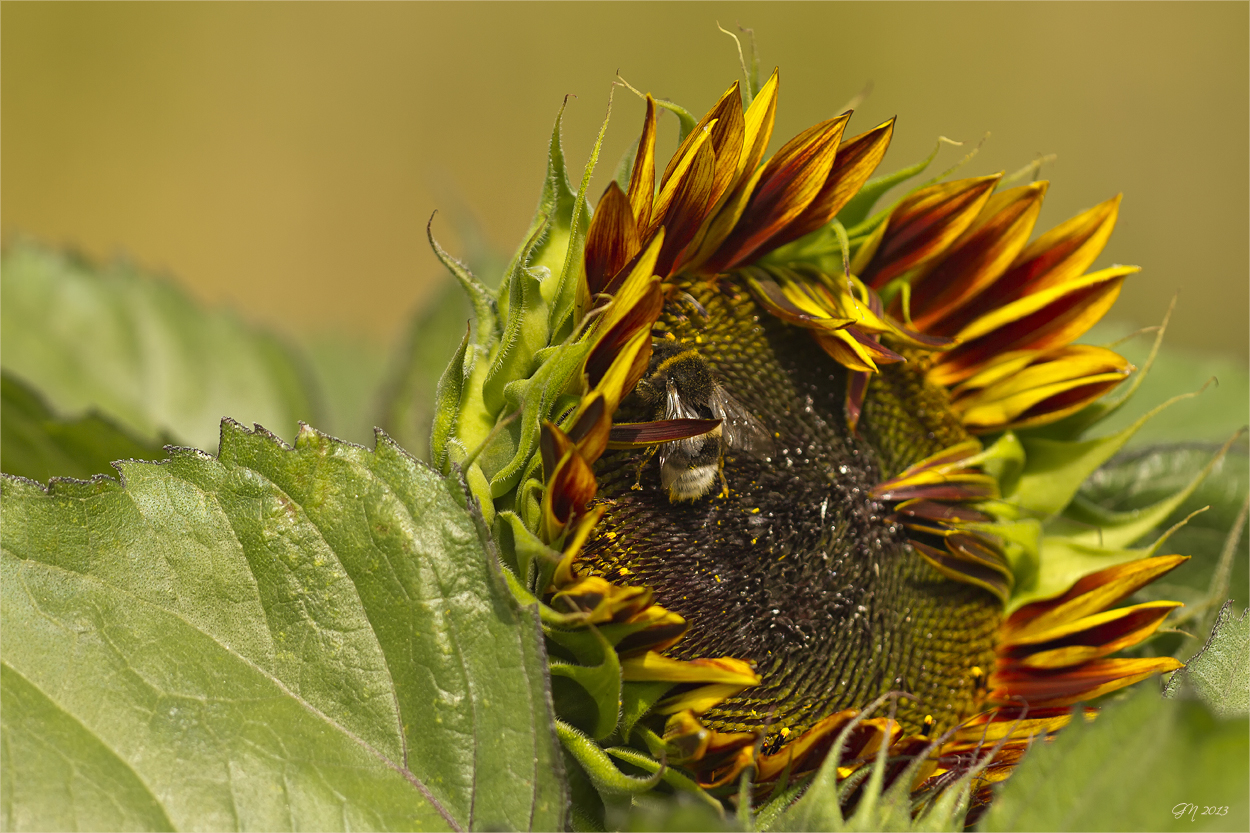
[1090,594]
[642,178]
[923,225]
[1090,637]
[854,162]
[1050,318]
[611,240]
[1047,387]
[790,181]
[977,258]
[653,667]
[758,125]
[672,181]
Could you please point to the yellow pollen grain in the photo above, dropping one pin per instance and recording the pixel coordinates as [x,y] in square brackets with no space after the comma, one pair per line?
[625,571]
[717,578]
[611,535]
[698,339]
[753,540]
[785,731]
[755,511]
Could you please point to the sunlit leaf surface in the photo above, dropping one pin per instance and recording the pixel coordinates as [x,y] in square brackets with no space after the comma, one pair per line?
[277,638]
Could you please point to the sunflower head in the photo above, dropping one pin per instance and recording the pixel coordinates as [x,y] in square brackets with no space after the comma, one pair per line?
[763,451]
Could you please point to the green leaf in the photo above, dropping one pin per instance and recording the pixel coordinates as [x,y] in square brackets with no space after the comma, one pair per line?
[36,443]
[1142,477]
[141,352]
[1144,764]
[70,776]
[279,637]
[1220,672]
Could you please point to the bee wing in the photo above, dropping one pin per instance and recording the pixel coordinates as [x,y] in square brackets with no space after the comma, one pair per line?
[740,429]
[677,408]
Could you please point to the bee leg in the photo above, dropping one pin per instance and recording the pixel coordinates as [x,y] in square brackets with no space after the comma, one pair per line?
[646,458]
[687,300]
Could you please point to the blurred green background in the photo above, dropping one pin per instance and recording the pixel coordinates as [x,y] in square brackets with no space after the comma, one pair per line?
[283,158]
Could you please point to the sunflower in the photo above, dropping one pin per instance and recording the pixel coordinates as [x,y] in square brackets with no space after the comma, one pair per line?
[762,457]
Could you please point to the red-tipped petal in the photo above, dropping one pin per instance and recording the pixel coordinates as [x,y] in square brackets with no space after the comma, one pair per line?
[854,162]
[612,239]
[642,434]
[1058,256]
[1051,318]
[642,178]
[922,226]
[788,184]
[977,258]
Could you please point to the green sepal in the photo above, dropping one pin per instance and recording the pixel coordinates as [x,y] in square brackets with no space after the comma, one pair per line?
[1004,460]
[406,394]
[528,501]
[482,299]
[1055,469]
[1021,544]
[536,397]
[525,333]
[586,647]
[534,276]
[673,777]
[686,120]
[520,548]
[1064,561]
[570,297]
[854,215]
[625,167]
[608,780]
[602,682]
[637,700]
[447,400]
[555,205]
[479,486]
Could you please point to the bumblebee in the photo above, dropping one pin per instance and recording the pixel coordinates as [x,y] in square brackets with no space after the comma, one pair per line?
[680,384]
